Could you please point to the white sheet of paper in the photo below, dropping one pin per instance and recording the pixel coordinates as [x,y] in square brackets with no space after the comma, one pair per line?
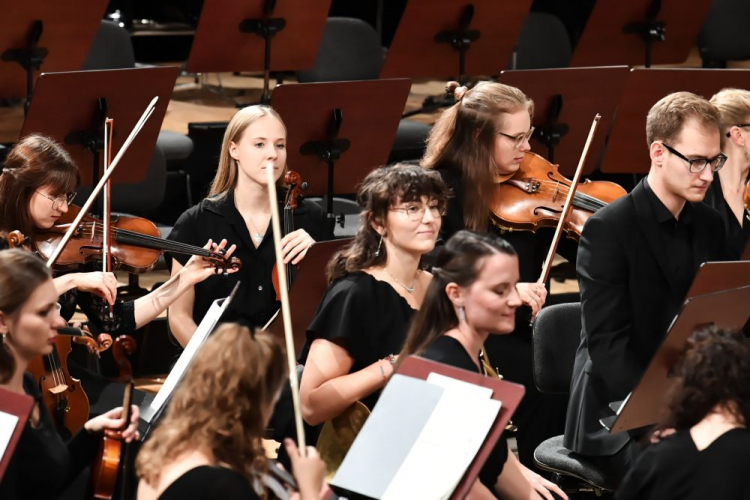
[200,335]
[449,383]
[8,424]
[446,446]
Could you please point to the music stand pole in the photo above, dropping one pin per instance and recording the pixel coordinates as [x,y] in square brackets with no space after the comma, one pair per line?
[266,28]
[30,58]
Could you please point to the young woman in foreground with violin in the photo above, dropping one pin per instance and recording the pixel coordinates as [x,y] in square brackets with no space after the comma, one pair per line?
[209,443]
[238,209]
[43,466]
[472,296]
[730,185]
[376,285]
[480,141]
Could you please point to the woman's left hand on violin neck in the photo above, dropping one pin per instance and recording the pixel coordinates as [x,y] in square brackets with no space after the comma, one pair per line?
[198,268]
[113,420]
[294,246]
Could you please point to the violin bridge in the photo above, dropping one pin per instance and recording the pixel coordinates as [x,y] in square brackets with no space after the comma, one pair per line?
[58,389]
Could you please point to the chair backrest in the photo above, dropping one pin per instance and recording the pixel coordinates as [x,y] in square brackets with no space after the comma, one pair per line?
[543,43]
[724,33]
[349,50]
[556,335]
[111,49]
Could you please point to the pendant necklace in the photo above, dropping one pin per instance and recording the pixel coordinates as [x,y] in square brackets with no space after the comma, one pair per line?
[409,289]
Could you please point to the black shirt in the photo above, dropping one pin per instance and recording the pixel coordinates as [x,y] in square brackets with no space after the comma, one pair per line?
[366,316]
[43,465]
[450,351]
[674,469]
[676,237]
[219,219]
[737,234]
[208,481]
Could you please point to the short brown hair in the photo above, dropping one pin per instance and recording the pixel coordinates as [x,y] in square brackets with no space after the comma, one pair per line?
[668,116]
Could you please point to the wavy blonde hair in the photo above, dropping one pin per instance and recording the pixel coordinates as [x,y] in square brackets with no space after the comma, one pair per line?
[463,140]
[226,175]
[222,404]
[734,108]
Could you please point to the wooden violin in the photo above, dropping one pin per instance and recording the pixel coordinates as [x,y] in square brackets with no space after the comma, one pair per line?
[14,239]
[109,461]
[135,244]
[294,184]
[534,197]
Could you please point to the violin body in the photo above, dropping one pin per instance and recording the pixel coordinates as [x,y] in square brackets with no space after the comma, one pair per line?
[294,183]
[535,195]
[61,393]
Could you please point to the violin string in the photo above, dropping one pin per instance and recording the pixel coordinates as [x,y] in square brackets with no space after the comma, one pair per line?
[564,188]
[579,199]
[168,245]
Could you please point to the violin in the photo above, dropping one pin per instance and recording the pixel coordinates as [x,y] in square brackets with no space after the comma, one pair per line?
[14,239]
[62,394]
[135,244]
[107,465]
[534,197]
[293,181]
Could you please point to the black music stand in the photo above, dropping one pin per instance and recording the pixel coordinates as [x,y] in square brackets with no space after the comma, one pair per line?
[15,406]
[47,34]
[627,151]
[71,107]
[339,131]
[237,35]
[726,308]
[640,32]
[565,102]
[307,291]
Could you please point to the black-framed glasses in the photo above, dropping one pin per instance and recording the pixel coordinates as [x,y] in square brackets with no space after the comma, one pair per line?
[519,139]
[698,164]
[57,202]
[739,125]
[415,212]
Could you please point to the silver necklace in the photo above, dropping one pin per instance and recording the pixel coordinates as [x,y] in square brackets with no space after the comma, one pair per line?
[257,236]
[409,289]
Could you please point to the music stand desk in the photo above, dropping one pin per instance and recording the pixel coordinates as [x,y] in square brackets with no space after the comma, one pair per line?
[18,405]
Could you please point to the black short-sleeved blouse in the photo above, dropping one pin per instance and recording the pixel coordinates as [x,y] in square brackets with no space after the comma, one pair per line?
[219,219]
[366,316]
[449,351]
[675,469]
[738,234]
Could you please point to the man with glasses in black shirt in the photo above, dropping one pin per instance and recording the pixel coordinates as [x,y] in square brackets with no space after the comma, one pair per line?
[636,260]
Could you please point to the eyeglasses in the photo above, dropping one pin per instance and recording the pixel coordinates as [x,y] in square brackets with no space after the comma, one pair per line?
[739,125]
[58,201]
[698,164]
[415,213]
[518,140]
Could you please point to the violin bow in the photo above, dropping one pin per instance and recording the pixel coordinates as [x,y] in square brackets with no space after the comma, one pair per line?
[98,188]
[107,198]
[568,203]
[285,313]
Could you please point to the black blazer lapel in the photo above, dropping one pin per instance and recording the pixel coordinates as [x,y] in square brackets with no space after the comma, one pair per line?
[648,225]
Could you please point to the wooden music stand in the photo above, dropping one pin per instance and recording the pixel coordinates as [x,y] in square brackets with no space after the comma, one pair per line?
[347,124]
[441,38]
[565,101]
[248,31]
[50,34]
[639,32]
[726,308]
[714,277]
[306,292]
[18,405]
[627,151]
[66,108]
[746,253]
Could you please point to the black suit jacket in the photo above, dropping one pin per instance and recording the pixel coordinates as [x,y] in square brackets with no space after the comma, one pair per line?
[628,300]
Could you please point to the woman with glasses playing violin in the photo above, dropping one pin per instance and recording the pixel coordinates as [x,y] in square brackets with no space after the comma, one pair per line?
[37,185]
[480,141]
[730,183]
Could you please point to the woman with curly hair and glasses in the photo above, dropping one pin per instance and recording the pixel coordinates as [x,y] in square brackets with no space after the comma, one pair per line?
[708,455]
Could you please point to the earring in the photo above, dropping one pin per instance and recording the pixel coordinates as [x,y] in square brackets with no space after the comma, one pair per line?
[461,313]
[380,243]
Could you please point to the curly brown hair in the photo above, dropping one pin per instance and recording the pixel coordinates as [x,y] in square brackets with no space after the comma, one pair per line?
[222,405]
[713,371]
[383,188]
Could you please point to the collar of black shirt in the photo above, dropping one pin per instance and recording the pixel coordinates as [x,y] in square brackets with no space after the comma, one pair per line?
[225,204]
[663,215]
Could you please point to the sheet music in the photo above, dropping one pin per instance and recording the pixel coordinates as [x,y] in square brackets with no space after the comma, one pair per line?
[446,446]
[8,424]
[447,382]
[201,334]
